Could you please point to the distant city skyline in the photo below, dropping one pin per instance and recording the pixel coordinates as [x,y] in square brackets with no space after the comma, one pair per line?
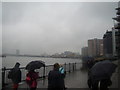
[37,28]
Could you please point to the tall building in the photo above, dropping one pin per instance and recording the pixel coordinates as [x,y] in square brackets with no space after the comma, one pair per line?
[90,48]
[95,47]
[117,26]
[101,48]
[107,44]
[84,51]
[114,39]
[17,52]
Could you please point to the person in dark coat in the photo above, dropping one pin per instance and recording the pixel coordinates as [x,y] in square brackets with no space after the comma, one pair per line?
[31,79]
[93,82]
[104,83]
[16,76]
[55,79]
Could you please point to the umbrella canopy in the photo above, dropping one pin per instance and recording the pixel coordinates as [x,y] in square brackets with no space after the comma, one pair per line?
[103,69]
[35,65]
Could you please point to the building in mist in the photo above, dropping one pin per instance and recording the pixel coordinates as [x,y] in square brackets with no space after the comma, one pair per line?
[66,54]
[95,47]
[117,33]
[114,41]
[110,43]
[84,51]
[107,44]
[17,52]
[101,48]
[70,54]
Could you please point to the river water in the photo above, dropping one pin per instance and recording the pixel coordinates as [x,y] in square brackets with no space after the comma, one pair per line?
[9,61]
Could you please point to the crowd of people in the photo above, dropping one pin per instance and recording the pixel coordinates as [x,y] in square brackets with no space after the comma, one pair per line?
[56,78]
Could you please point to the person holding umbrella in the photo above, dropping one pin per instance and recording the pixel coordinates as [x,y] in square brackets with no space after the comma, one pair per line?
[101,73]
[31,79]
[32,76]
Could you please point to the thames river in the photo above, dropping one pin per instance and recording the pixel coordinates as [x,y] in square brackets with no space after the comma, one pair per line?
[9,61]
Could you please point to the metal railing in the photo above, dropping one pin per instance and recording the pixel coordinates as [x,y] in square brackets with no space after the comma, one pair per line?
[43,72]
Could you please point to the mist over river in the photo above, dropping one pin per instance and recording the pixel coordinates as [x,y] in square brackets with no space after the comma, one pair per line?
[9,61]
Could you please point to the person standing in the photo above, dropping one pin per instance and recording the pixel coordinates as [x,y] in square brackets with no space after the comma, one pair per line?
[55,79]
[15,76]
[99,76]
[31,79]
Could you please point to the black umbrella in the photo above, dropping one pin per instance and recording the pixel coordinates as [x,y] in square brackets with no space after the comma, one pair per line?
[35,65]
[103,69]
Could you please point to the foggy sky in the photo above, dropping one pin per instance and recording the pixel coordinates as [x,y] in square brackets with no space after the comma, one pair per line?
[0,29]
[36,28]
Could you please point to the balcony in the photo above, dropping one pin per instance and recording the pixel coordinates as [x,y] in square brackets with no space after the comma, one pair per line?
[117,18]
[117,26]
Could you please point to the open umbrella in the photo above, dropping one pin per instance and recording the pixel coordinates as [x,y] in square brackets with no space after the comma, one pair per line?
[35,65]
[103,69]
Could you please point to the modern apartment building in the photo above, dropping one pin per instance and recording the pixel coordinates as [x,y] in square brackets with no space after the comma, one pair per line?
[107,44]
[117,26]
[84,51]
[95,47]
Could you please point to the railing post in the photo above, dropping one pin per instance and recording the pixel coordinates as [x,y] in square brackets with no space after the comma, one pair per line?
[75,65]
[3,77]
[65,67]
[69,67]
[44,72]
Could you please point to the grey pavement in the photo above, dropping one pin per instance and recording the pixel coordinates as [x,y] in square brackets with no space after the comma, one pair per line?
[75,79]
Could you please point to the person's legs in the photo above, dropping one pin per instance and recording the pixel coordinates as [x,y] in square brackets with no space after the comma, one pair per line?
[95,85]
[104,84]
[15,86]
[33,88]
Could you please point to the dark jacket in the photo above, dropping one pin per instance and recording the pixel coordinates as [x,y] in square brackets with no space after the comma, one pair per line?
[93,82]
[55,80]
[16,75]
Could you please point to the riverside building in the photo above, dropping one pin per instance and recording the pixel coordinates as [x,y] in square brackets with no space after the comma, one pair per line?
[95,47]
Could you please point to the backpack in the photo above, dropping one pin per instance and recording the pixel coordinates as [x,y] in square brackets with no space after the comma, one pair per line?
[10,74]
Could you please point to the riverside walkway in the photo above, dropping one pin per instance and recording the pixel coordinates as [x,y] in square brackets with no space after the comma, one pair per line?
[76,79]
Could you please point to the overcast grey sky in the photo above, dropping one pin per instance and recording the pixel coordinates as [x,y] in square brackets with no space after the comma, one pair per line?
[36,28]
[0,28]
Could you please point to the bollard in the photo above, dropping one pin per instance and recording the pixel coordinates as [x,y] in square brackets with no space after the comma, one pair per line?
[3,76]
[69,67]
[75,65]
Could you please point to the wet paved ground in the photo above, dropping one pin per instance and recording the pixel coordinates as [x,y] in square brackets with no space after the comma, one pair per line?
[76,79]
